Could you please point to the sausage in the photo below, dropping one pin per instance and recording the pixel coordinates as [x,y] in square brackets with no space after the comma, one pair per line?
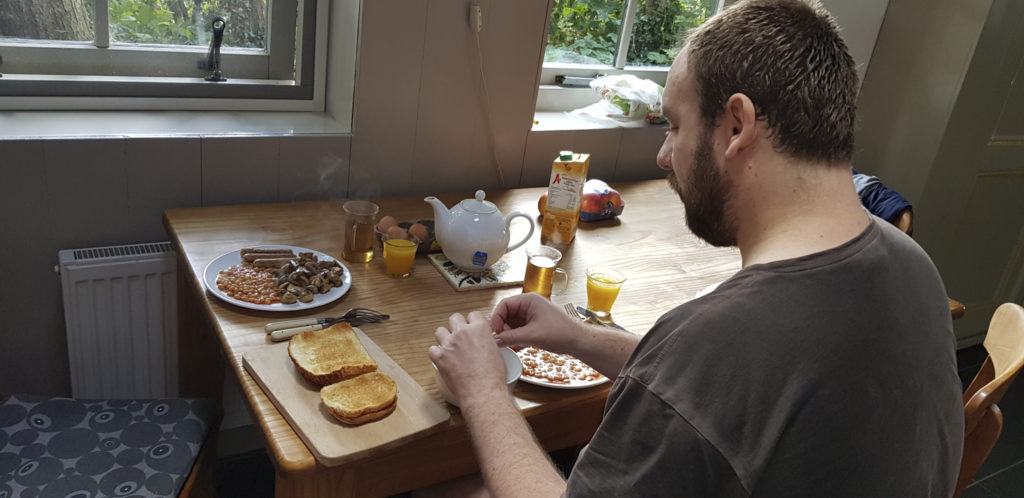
[271,262]
[262,250]
[253,256]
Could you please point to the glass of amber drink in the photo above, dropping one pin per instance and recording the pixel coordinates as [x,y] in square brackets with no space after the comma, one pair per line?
[541,269]
[399,255]
[603,286]
[360,217]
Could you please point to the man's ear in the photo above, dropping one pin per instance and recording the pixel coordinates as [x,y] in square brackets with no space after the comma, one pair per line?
[740,123]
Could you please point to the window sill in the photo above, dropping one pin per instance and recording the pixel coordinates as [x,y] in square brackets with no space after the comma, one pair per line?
[564,121]
[23,125]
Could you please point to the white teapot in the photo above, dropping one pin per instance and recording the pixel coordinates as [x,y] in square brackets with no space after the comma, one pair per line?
[474,234]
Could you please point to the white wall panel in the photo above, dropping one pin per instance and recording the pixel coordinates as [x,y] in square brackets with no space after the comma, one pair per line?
[314,168]
[162,174]
[240,170]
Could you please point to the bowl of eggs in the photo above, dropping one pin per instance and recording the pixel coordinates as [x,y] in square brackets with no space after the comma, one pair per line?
[422,230]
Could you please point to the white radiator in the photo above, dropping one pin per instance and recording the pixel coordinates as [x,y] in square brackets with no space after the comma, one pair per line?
[121,312]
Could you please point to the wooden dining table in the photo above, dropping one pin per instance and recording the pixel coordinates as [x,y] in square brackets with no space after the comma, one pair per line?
[665,266]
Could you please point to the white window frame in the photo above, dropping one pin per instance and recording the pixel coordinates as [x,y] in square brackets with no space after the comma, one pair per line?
[552,97]
[257,79]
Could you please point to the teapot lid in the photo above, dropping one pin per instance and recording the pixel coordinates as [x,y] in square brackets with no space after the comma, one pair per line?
[478,205]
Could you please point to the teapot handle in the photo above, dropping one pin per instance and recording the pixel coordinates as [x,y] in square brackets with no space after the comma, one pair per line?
[508,222]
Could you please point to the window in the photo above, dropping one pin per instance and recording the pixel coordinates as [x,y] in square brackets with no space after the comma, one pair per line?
[591,37]
[155,53]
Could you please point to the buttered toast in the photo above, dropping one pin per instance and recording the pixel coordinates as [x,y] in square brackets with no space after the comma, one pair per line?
[327,356]
[362,398]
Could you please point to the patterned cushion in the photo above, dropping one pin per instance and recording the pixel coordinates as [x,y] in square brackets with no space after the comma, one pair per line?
[70,448]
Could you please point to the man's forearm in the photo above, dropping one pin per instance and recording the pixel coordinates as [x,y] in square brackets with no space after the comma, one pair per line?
[605,349]
[511,460]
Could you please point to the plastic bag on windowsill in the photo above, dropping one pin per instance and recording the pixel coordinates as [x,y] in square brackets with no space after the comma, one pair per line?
[625,97]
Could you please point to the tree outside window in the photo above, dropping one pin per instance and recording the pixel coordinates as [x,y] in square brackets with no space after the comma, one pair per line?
[161,22]
[587,31]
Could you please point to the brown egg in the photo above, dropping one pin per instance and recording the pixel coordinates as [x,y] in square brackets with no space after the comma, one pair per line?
[419,231]
[386,223]
[397,232]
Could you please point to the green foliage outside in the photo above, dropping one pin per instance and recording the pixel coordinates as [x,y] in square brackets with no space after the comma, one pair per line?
[184,22]
[587,31]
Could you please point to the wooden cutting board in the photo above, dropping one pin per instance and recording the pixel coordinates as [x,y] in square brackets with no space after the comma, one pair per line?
[330,441]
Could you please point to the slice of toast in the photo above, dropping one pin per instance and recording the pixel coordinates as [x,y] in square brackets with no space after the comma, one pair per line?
[362,398]
[327,356]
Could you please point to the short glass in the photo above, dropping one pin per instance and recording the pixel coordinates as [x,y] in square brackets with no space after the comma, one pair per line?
[360,218]
[541,262]
[399,255]
[603,284]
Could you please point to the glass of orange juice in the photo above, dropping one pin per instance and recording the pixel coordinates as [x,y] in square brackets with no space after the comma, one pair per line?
[603,284]
[399,255]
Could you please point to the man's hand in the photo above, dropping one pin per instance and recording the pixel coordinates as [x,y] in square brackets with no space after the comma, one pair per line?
[531,320]
[468,359]
[510,459]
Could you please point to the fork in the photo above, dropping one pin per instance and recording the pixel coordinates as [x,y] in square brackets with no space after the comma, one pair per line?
[351,314]
[587,316]
[280,331]
[570,309]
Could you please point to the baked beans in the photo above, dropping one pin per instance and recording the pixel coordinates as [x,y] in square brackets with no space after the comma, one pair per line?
[247,283]
[556,368]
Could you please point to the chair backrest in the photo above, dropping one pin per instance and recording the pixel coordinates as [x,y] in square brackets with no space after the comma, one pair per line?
[982,419]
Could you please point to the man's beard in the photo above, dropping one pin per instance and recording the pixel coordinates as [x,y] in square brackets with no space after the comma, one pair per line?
[706,195]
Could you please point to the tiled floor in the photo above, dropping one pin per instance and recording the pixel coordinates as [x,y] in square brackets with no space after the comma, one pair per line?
[252,475]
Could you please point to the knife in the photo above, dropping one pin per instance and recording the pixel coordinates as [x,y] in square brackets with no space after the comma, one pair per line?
[285,334]
[590,315]
[270,327]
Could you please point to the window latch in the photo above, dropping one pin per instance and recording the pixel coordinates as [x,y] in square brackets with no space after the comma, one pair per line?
[575,81]
[213,58]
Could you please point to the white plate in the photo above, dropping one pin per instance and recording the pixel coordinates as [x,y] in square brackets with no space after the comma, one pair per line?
[233,258]
[575,384]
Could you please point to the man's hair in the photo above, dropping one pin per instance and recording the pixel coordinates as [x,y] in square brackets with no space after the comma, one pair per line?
[788,58]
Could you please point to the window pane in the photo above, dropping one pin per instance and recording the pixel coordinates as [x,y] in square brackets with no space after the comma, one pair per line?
[584,31]
[46,19]
[188,22]
[658,27]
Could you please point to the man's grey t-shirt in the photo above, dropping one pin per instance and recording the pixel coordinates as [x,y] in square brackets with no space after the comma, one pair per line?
[832,374]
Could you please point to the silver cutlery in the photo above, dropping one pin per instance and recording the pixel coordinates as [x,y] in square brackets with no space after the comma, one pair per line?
[570,309]
[279,331]
[589,315]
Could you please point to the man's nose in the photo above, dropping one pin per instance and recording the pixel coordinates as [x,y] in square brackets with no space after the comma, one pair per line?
[665,156]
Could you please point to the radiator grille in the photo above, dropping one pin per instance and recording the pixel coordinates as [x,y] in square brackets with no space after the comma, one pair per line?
[121,251]
[120,309]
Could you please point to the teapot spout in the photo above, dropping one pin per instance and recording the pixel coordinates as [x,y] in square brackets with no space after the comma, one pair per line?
[441,213]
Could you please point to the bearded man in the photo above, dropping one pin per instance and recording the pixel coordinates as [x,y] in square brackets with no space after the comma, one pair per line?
[824,367]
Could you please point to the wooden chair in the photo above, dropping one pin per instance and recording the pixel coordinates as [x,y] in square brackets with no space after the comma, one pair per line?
[982,419]
[905,222]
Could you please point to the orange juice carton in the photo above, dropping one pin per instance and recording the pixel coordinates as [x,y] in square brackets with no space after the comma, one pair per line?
[565,194]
